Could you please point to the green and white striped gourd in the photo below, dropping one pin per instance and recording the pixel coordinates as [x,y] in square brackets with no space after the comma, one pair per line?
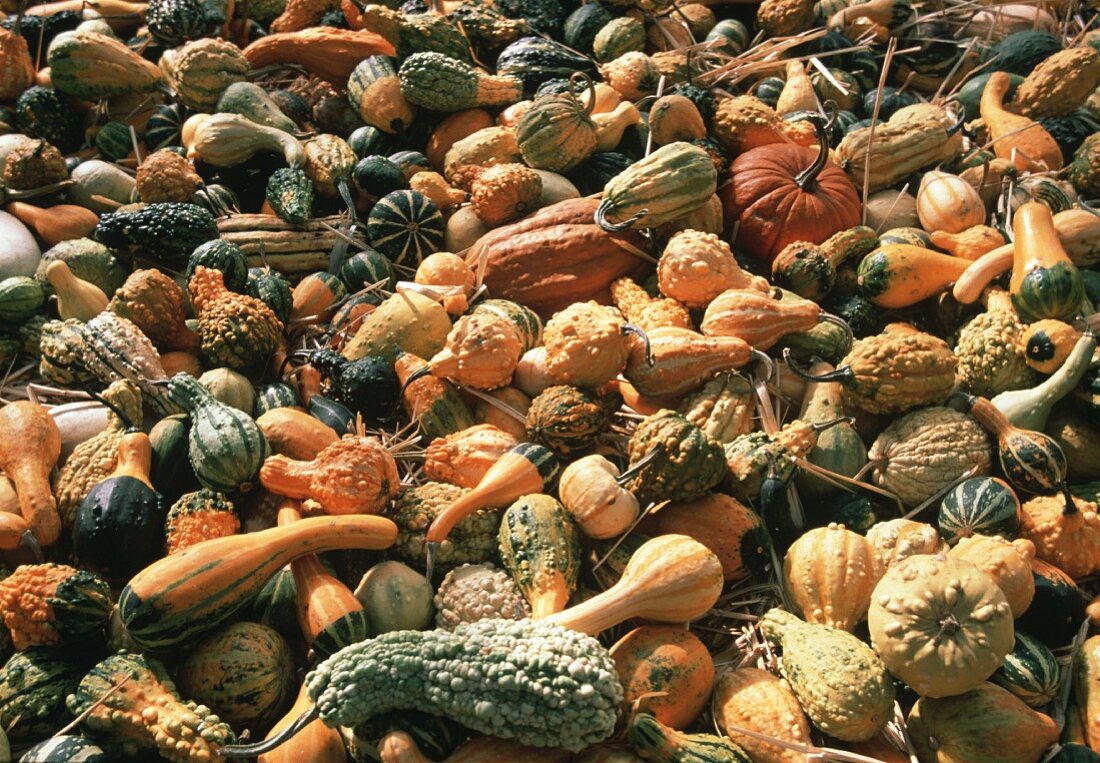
[979,506]
[225,446]
[1030,671]
[114,348]
[406,226]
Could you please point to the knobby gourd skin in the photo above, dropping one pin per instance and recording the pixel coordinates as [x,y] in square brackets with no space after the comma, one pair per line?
[539,684]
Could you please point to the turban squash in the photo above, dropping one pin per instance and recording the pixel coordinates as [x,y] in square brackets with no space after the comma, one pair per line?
[781,193]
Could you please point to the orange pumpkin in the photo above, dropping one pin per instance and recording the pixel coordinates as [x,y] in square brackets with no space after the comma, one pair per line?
[667,659]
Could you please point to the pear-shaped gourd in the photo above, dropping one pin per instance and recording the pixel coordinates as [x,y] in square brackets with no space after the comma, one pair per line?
[76,298]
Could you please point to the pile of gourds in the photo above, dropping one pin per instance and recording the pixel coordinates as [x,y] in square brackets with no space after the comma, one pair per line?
[601,382]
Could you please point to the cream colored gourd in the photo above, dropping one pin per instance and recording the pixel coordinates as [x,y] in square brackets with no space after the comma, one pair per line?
[76,298]
[226,140]
[941,625]
[1007,562]
[946,202]
[590,492]
[669,579]
[829,575]
[898,539]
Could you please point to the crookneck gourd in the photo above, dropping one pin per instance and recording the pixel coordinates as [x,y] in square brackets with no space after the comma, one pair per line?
[237,331]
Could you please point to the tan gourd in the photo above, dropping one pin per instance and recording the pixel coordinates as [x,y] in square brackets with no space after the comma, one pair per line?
[76,298]
[829,573]
[62,222]
[669,579]
[1007,562]
[798,91]
[752,699]
[590,491]
[30,444]
[1017,138]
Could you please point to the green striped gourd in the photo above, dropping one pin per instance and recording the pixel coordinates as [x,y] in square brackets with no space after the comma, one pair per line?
[406,226]
[675,179]
[979,506]
[565,419]
[658,743]
[33,687]
[441,83]
[245,671]
[114,348]
[841,683]
[1030,671]
[527,322]
[273,290]
[432,402]
[20,298]
[540,548]
[225,447]
[365,269]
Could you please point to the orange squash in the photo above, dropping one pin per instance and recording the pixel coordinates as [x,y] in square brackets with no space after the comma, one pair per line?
[667,659]
[1045,282]
[901,275]
[316,743]
[757,318]
[328,53]
[30,444]
[1021,140]
[62,222]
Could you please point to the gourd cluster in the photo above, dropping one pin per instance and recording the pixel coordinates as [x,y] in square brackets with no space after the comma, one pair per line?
[584,382]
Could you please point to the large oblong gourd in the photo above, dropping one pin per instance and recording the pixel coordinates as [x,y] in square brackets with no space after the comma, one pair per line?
[841,683]
[941,625]
[674,180]
[540,548]
[829,574]
[1045,282]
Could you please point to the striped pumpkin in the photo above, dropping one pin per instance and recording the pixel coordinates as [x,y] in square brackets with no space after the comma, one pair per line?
[275,395]
[114,348]
[406,226]
[979,506]
[1030,671]
[244,670]
[273,290]
[225,446]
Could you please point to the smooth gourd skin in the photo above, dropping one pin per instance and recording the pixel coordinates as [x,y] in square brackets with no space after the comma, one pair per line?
[482,675]
[119,528]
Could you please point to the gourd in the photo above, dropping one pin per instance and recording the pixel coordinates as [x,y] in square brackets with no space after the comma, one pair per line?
[668,660]
[33,686]
[566,419]
[645,311]
[395,597]
[1008,563]
[178,731]
[21,297]
[1065,531]
[695,267]
[1047,343]
[226,140]
[199,516]
[758,319]
[910,460]
[347,689]
[191,593]
[482,351]
[829,574]
[526,468]
[839,449]
[406,226]
[1030,408]
[50,604]
[557,133]
[683,463]
[1030,671]
[354,475]
[289,192]
[503,192]
[589,490]
[671,578]
[375,91]
[900,275]
[810,271]
[841,684]
[979,506]
[990,359]
[119,527]
[1084,678]
[946,202]
[463,457]
[165,232]
[940,624]
[783,193]
[674,180]
[294,433]
[987,723]
[587,344]
[1045,282]
[316,742]
[1031,461]
[900,146]
[758,701]
[897,539]
[225,446]
[970,243]
[1017,138]
[679,361]
[202,70]
[22,254]
[656,742]
[29,448]
[432,402]
[409,320]
[76,298]
[540,549]
[472,541]
[675,118]
[895,371]
[61,222]
[91,66]
[442,83]
[328,53]
[155,304]
[553,258]
[245,670]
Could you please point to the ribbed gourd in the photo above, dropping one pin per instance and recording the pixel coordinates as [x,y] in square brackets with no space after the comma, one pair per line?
[672,181]
[439,82]
[225,447]
[829,574]
[557,132]
[114,348]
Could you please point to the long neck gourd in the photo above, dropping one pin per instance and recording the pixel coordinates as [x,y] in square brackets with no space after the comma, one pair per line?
[1017,138]
[190,593]
[1029,408]
[316,743]
[526,468]
[669,579]
[328,613]
[1045,282]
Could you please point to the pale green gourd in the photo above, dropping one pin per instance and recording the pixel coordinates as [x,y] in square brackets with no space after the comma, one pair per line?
[1029,408]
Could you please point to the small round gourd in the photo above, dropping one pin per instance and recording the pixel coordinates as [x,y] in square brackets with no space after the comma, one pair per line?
[406,226]
[589,490]
[946,202]
[829,573]
[669,659]
[941,625]
[1047,343]
[565,419]
[1030,671]
[980,505]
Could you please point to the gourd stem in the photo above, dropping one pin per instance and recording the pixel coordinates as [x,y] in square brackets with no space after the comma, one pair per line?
[766,360]
[1071,505]
[836,320]
[630,473]
[1088,207]
[610,227]
[267,745]
[630,328]
[590,107]
[958,124]
[30,542]
[419,373]
[822,426]
[345,194]
[806,179]
[843,374]
[949,626]
[130,426]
